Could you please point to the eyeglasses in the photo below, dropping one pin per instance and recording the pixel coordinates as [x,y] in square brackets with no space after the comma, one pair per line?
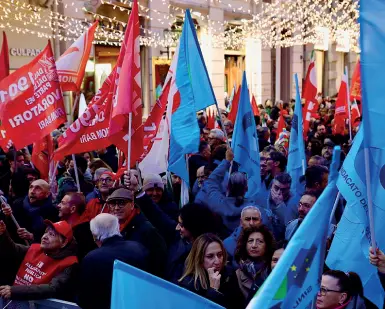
[118,204]
[105,180]
[323,291]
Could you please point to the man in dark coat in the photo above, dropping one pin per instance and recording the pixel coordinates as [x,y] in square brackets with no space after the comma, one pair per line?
[97,267]
[134,226]
[33,210]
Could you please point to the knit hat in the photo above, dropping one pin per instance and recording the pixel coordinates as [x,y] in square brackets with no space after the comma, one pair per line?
[152,181]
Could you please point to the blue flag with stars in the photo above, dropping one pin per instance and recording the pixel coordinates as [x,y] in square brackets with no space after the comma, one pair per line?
[245,141]
[296,162]
[295,280]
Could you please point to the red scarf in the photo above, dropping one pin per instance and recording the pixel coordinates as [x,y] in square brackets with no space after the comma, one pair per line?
[134,212]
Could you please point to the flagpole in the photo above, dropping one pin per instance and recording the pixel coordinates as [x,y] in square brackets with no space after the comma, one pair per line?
[73,155]
[334,207]
[370,200]
[349,105]
[129,142]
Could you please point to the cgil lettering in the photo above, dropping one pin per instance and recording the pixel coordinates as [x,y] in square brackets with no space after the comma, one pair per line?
[36,110]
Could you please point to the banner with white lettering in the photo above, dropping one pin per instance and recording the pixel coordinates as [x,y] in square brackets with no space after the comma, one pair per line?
[31,101]
[90,131]
[71,65]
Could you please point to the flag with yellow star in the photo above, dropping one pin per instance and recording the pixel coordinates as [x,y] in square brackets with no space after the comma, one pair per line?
[295,280]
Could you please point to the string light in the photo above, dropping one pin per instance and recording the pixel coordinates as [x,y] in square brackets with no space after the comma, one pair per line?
[281,23]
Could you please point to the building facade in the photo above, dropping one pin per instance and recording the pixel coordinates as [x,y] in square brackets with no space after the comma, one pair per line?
[269,70]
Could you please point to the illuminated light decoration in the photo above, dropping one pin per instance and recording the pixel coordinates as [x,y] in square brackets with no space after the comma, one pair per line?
[281,23]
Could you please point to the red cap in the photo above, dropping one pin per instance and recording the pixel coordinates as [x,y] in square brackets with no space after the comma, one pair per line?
[61,227]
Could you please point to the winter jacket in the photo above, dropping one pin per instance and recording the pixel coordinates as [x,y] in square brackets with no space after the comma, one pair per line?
[228,295]
[142,231]
[32,217]
[95,280]
[61,285]
[84,238]
[212,196]
[169,207]
[94,206]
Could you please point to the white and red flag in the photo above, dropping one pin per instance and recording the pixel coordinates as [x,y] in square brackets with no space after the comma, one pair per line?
[71,65]
[342,110]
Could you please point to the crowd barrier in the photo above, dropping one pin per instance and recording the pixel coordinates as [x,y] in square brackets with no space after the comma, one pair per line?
[38,304]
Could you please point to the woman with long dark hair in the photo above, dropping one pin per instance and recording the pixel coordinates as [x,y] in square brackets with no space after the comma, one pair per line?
[255,249]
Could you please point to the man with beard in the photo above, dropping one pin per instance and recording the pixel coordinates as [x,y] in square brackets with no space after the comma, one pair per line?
[306,202]
[327,150]
[33,210]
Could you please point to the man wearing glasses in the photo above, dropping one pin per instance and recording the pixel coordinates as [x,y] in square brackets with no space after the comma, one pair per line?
[134,226]
[96,200]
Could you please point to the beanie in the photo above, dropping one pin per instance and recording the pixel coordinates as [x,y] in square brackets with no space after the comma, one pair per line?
[152,181]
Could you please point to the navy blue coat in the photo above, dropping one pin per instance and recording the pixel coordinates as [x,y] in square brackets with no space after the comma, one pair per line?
[95,280]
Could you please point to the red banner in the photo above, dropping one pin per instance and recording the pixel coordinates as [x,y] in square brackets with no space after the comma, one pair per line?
[234,106]
[90,131]
[355,88]
[31,101]
[71,65]
[254,106]
[5,143]
[42,155]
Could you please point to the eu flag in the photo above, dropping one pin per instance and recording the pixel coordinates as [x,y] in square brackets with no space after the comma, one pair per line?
[192,92]
[136,289]
[296,163]
[245,141]
[350,246]
[295,280]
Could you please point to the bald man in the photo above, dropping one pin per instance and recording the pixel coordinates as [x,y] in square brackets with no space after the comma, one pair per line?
[31,211]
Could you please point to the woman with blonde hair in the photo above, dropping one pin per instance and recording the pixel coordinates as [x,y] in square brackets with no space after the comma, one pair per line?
[206,273]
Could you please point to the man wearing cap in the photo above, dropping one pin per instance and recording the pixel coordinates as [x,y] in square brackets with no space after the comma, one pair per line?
[96,199]
[134,226]
[45,270]
[327,150]
[154,188]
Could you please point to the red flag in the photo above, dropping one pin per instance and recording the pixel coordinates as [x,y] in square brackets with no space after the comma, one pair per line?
[71,65]
[254,106]
[90,131]
[210,119]
[281,124]
[127,91]
[4,58]
[356,115]
[234,106]
[355,88]
[341,113]
[31,100]
[42,156]
[310,95]
[5,143]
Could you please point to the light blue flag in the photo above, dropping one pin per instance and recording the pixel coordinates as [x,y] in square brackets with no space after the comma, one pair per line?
[295,280]
[136,289]
[350,246]
[245,141]
[195,93]
[296,163]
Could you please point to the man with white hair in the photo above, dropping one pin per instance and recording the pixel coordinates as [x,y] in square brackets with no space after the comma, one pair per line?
[250,216]
[216,138]
[97,267]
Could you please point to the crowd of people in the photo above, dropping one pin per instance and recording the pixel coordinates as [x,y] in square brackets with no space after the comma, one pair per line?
[222,245]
